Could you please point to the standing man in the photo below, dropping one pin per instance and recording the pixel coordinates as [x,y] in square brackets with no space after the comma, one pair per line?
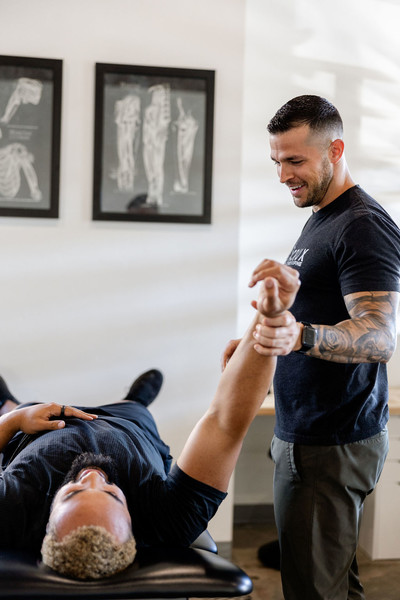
[331,391]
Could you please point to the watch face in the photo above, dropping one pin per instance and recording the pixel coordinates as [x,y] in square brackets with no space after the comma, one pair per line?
[309,336]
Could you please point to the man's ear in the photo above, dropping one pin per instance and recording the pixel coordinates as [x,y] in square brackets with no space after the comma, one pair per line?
[336,150]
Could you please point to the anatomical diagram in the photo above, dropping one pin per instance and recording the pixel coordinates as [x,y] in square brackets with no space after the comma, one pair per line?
[154,142]
[157,117]
[187,127]
[15,159]
[127,119]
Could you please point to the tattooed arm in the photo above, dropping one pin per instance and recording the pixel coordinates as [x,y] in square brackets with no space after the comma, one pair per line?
[368,336]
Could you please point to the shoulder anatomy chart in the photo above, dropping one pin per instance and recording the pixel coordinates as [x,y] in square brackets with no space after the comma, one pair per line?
[16,161]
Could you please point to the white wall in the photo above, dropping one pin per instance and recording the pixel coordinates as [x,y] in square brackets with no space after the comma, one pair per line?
[349,52]
[86,306]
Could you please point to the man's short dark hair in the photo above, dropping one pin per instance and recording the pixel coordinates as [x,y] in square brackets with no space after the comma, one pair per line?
[316,112]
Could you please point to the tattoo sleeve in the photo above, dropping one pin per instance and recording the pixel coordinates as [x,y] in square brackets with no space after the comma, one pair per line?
[368,336]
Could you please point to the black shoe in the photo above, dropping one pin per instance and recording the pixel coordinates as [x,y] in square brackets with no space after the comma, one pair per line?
[270,556]
[146,387]
[5,394]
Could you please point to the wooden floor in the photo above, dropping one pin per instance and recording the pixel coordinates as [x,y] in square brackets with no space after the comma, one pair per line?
[381,579]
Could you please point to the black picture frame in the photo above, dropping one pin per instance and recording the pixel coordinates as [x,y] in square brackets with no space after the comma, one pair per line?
[30,130]
[153,144]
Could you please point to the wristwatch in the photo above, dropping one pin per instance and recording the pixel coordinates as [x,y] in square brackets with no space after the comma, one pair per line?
[308,337]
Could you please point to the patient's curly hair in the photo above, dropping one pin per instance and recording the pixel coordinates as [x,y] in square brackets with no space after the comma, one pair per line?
[88,552]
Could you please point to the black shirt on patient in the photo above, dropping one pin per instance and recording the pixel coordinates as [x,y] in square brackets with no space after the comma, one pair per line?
[167,506]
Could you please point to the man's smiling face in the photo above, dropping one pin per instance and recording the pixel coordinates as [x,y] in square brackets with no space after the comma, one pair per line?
[303,164]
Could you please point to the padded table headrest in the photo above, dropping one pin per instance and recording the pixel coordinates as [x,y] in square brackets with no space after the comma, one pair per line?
[155,573]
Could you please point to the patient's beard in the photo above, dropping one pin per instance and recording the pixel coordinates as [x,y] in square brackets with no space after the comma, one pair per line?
[89,459]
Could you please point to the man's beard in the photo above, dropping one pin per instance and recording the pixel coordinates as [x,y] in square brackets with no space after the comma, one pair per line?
[318,190]
[89,459]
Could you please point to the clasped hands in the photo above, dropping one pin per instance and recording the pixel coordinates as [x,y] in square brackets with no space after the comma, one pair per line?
[276,333]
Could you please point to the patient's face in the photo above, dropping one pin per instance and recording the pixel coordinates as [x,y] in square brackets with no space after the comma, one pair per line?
[89,496]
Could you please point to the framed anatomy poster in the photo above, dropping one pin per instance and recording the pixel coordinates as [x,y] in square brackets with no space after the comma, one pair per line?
[153,144]
[30,120]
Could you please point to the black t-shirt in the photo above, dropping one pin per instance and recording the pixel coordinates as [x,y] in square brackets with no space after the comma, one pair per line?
[167,508]
[351,245]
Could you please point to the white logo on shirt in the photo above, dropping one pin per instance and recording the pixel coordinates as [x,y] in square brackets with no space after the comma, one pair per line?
[296,257]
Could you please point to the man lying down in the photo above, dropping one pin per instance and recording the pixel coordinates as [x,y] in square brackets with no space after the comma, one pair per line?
[86,486]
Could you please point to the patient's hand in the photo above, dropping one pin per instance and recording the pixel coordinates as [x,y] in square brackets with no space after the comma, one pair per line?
[228,352]
[46,417]
[39,417]
[279,286]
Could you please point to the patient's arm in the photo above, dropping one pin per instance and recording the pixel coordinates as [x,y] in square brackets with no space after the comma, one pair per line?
[267,272]
[213,447]
[39,417]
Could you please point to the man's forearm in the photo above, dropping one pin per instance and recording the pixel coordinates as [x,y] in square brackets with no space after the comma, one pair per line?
[369,336]
[353,341]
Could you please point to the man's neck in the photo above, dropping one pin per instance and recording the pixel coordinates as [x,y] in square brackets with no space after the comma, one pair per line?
[341,182]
